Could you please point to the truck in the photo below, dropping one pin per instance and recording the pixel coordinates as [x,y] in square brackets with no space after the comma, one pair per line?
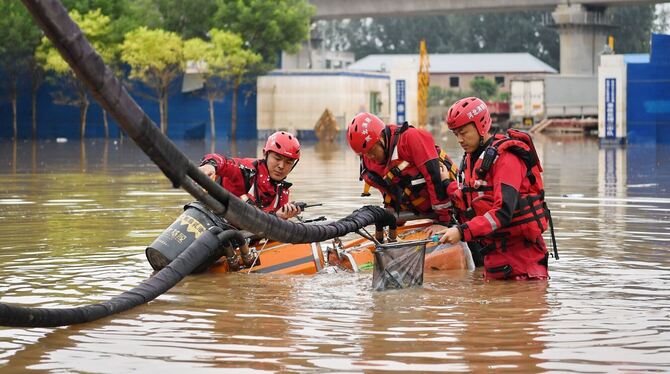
[527,101]
[533,99]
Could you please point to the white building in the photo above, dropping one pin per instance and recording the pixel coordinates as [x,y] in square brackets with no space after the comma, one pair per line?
[294,100]
[456,71]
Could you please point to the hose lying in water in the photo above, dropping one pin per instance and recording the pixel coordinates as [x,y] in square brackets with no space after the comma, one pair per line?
[205,246]
[89,67]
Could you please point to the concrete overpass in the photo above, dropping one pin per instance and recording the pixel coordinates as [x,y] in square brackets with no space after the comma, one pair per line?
[582,25]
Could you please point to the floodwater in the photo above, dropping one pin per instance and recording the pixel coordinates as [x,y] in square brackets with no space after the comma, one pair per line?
[75,219]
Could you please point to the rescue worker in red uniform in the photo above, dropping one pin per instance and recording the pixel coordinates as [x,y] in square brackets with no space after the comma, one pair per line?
[499,197]
[403,163]
[260,182]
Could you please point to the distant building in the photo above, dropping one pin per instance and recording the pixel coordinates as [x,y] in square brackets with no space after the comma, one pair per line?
[456,71]
[634,95]
[294,100]
[313,56]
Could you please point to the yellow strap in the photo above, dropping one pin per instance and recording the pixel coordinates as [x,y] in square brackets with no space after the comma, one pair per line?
[453,172]
[366,190]
[418,201]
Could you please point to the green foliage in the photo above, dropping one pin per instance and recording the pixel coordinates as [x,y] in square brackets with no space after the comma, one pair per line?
[438,96]
[95,25]
[528,31]
[266,26]
[633,28]
[483,88]
[189,19]
[225,55]
[18,34]
[156,58]
[153,55]
[462,33]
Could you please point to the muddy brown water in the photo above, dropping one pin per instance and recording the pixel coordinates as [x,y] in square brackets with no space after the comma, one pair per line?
[75,219]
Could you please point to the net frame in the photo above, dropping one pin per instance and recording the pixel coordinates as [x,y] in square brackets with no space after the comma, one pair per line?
[399,265]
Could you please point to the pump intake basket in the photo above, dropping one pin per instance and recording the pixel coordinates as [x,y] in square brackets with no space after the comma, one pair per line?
[399,265]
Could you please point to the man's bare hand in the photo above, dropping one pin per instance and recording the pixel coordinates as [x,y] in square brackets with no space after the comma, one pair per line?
[451,236]
[435,230]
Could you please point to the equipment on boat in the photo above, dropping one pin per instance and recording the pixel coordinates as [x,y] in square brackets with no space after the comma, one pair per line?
[261,255]
[195,220]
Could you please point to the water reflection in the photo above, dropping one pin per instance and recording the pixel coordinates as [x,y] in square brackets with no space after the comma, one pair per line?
[75,218]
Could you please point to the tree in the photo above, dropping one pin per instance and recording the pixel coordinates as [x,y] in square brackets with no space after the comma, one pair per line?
[156,58]
[242,64]
[18,39]
[483,88]
[189,19]
[266,26]
[96,27]
[226,60]
[529,31]
[633,26]
[662,23]
[198,53]
[463,33]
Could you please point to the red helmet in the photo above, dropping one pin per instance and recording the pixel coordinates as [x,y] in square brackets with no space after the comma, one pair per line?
[470,109]
[283,143]
[364,131]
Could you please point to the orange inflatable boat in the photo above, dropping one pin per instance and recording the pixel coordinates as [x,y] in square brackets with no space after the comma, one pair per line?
[354,255]
[266,256]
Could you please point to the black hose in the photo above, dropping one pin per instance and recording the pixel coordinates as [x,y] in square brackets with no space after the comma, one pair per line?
[159,283]
[110,93]
[89,67]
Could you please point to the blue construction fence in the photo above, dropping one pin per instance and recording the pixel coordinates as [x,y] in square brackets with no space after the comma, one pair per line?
[648,103]
[188,114]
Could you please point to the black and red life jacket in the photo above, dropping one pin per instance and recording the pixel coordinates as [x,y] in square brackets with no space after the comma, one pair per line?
[403,185]
[531,217]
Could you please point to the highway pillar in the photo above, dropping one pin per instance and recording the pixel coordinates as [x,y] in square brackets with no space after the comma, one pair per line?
[583,34]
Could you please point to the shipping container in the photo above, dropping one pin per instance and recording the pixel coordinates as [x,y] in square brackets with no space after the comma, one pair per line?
[527,101]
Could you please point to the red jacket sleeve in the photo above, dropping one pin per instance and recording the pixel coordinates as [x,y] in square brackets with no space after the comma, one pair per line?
[418,147]
[224,166]
[507,174]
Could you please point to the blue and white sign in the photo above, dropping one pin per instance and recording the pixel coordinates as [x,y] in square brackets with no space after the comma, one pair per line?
[400,101]
[610,108]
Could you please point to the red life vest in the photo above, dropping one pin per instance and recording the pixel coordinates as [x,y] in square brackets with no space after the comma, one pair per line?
[401,183]
[530,217]
[516,250]
[249,179]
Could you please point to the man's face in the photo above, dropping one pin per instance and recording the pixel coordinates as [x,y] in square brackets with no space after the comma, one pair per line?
[279,166]
[468,137]
[376,153]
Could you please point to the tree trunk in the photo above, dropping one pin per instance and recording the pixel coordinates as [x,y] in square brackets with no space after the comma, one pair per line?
[37,78]
[162,109]
[14,113]
[83,110]
[34,108]
[212,124]
[165,112]
[105,123]
[233,119]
